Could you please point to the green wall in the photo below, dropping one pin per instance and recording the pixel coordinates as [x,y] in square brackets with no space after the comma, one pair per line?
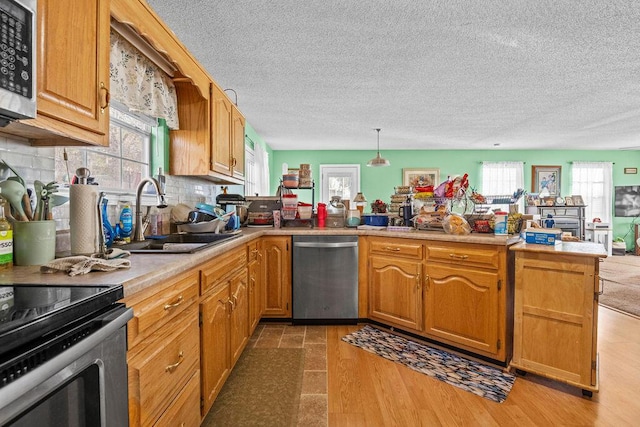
[379,183]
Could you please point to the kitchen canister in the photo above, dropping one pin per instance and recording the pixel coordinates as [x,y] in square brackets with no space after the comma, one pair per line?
[34,242]
[83,219]
[500,224]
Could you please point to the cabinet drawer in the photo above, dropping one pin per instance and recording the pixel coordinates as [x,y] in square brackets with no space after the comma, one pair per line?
[469,255]
[154,309]
[161,366]
[185,410]
[222,266]
[396,247]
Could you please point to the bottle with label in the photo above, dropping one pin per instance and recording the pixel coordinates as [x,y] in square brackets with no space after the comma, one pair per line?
[6,240]
[109,232]
[126,221]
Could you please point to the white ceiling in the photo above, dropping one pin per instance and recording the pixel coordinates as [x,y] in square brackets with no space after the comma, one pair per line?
[433,74]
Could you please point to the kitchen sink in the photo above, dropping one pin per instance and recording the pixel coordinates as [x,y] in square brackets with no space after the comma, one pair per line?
[180,243]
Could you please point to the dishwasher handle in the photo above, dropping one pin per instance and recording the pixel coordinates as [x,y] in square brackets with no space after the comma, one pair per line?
[325,245]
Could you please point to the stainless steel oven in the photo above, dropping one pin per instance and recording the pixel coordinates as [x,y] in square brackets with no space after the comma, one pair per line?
[63,356]
[17,60]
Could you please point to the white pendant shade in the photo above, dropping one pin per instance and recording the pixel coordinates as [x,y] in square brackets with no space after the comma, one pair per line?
[378,161]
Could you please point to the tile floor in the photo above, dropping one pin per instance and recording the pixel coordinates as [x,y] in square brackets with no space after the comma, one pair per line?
[313,397]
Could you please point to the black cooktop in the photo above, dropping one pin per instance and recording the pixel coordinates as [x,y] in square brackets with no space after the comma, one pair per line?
[28,312]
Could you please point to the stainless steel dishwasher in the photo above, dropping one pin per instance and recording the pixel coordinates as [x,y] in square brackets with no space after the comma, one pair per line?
[325,279]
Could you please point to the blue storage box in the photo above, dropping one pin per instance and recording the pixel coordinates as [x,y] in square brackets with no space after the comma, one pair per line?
[543,236]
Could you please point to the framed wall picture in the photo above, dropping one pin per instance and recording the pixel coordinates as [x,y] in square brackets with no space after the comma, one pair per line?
[420,177]
[546,178]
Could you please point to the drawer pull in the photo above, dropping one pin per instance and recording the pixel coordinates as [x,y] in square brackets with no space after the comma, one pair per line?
[171,368]
[456,256]
[175,304]
[389,248]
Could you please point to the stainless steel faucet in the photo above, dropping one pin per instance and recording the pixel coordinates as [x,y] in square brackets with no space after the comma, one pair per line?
[138,235]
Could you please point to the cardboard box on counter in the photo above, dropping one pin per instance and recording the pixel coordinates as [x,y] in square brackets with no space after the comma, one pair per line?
[543,236]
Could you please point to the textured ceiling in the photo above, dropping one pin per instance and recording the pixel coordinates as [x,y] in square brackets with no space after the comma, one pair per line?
[445,74]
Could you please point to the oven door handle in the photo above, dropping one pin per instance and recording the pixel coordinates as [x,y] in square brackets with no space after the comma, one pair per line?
[112,321]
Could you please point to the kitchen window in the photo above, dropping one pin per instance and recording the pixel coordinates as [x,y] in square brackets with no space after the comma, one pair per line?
[120,166]
[339,180]
[593,181]
[256,168]
[503,178]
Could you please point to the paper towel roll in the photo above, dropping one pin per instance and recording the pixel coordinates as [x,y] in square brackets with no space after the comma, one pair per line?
[83,219]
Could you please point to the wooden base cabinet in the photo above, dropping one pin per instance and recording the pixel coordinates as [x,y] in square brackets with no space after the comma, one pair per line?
[556,312]
[459,294]
[395,295]
[224,320]
[164,350]
[256,284]
[277,265]
[465,297]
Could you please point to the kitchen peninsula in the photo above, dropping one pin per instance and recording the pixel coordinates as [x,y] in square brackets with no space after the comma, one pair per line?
[454,290]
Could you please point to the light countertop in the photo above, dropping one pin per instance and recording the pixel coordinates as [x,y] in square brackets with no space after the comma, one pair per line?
[149,269]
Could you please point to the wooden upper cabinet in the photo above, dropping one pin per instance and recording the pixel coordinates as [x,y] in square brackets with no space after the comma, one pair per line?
[237,161]
[73,75]
[190,145]
[227,136]
[221,155]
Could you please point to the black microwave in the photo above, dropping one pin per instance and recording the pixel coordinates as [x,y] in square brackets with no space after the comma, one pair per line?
[17,60]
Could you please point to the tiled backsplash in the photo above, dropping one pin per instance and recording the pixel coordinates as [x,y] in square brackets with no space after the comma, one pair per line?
[38,163]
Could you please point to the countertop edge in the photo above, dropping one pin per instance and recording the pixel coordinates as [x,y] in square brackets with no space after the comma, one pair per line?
[149,269]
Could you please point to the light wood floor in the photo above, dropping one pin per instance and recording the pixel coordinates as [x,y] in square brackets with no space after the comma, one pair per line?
[367,390]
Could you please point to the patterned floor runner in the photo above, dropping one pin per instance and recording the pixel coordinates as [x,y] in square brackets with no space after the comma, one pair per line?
[480,379]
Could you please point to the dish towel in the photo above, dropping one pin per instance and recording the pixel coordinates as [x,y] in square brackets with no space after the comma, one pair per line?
[75,265]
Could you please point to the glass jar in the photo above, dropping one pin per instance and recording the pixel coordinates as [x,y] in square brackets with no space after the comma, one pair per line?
[353,218]
[335,213]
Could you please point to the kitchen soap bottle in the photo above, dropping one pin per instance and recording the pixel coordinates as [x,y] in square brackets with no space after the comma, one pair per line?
[6,240]
[335,213]
[126,221]
[109,232]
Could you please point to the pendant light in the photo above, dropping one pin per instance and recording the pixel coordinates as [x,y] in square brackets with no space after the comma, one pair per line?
[378,161]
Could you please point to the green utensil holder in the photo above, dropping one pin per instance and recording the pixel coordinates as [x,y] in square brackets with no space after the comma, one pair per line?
[34,242]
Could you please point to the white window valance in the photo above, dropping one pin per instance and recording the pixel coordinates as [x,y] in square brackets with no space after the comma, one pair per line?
[140,84]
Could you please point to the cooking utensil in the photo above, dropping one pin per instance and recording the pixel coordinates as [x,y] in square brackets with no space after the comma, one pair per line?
[38,186]
[83,175]
[26,203]
[12,192]
[57,200]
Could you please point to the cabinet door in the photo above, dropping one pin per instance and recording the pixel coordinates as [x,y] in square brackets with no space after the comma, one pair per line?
[462,307]
[239,319]
[556,313]
[277,265]
[395,291]
[73,66]
[237,143]
[214,338]
[221,122]
[256,289]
